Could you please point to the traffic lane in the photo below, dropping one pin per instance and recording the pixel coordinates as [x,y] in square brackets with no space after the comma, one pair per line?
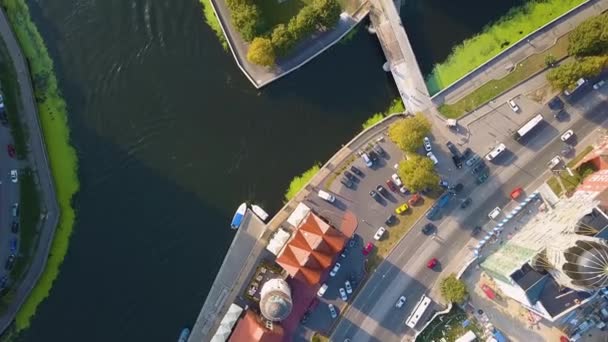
[9,195]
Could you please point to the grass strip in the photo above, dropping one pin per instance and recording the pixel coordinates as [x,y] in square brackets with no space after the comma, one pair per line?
[570,182]
[213,22]
[495,38]
[396,106]
[493,88]
[298,182]
[52,113]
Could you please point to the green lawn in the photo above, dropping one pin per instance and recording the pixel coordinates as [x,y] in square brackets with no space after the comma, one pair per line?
[490,90]
[495,38]
[570,182]
[213,22]
[275,13]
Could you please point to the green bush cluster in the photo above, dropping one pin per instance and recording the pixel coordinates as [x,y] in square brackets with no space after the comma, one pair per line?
[246,17]
[318,15]
[588,44]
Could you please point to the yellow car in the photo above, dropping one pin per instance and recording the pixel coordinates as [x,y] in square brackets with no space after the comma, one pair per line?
[401,209]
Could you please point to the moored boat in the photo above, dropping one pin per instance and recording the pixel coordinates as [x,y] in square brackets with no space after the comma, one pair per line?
[183,336]
[238,216]
[260,212]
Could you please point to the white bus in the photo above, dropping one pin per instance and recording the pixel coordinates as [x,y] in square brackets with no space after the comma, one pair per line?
[496,151]
[419,310]
[527,127]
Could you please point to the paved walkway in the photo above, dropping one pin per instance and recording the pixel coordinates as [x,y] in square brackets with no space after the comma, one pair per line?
[538,42]
[38,160]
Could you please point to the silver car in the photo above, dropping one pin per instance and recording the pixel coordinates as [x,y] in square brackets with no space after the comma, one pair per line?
[332,311]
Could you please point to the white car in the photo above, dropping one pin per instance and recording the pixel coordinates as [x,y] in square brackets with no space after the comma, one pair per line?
[567,135]
[335,270]
[396,179]
[513,105]
[494,213]
[400,302]
[427,144]
[14,176]
[343,294]
[403,190]
[349,289]
[433,158]
[368,162]
[379,233]
[554,162]
[332,311]
[599,84]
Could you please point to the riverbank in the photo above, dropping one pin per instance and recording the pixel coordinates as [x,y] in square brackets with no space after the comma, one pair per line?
[494,39]
[52,117]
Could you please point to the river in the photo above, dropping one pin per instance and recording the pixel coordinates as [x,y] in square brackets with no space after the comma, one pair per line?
[171,137]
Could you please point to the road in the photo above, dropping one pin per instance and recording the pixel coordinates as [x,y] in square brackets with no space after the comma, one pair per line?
[38,161]
[372,316]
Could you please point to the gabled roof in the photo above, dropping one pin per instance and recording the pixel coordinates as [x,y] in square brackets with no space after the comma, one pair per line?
[252,328]
[311,249]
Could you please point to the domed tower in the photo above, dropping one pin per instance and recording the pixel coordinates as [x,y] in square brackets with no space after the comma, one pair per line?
[275,300]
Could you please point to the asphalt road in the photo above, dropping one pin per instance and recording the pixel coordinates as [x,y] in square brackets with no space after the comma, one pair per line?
[373,316]
[9,194]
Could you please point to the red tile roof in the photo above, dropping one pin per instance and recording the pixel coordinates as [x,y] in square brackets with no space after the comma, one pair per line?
[252,328]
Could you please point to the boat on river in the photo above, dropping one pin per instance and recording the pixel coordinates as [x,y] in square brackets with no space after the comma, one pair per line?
[238,216]
[183,336]
[260,212]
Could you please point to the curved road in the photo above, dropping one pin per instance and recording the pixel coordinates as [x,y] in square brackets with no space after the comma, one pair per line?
[37,158]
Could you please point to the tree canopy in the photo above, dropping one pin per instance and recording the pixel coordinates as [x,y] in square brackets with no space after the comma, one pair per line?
[261,52]
[418,172]
[246,18]
[453,289]
[282,39]
[327,12]
[409,133]
[590,37]
[566,75]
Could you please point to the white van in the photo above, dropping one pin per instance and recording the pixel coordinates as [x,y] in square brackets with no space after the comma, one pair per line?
[496,151]
[327,196]
[322,290]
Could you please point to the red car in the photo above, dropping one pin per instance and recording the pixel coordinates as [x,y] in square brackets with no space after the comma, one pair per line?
[516,192]
[414,199]
[368,248]
[432,263]
[391,185]
[11,150]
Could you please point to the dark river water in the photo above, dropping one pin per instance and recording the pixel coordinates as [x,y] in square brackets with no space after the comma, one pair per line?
[171,138]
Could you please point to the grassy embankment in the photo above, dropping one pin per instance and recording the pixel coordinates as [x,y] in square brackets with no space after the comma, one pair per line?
[213,22]
[298,182]
[62,157]
[395,107]
[495,38]
[571,182]
[493,88]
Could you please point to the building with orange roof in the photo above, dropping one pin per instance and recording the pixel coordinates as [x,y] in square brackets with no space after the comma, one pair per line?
[253,328]
[311,249]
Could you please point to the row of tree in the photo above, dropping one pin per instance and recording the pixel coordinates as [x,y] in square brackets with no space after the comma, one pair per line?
[588,44]
[246,18]
[318,15]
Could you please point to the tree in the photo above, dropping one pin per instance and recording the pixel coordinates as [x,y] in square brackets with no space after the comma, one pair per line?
[550,60]
[418,172]
[590,37]
[566,75]
[453,289]
[327,12]
[261,52]
[304,23]
[282,39]
[409,133]
[246,19]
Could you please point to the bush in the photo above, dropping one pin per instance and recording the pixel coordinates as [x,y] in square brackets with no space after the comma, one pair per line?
[566,75]
[246,18]
[327,12]
[261,52]
[298,182]
[282,39]
[304,23]
[590,37]
[453,289]
[409,133]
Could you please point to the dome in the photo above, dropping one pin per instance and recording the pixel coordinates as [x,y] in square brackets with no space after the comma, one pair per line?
[275,300]
[587,264]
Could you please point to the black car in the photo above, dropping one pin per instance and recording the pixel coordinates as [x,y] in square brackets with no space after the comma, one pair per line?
[378,149]
[10,262]
[390,220]
[374,195]
[466,203]
[453,149]
[3,282]
[382,190]
[428,229]
[556,104]
[356,171]
[480,167]
[346,182]
[476,230]
[350,176]
[373,156]
[3,118]
[466,154]
[456,188]
[457,161]
[15,227]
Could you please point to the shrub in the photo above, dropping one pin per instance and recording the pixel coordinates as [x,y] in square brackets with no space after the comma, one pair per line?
[261,52]
[590,37]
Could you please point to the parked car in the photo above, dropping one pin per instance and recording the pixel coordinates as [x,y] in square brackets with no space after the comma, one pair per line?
[368,248]
[3,282]
[382,190]
[3,118]
[400,302]
[567,135]
[343,294]
[13,245]
[414,199]
[332,311]
[478,168]
[404,190]
[373,156]
[453,149]
[10,148]
[402,208]
[378,149]
[10,262]
[599,84]
[335,270]
[396,179]
[374,195]
[427,144]
[554,162]
[466,203]
[326,196]
[467,153]
[350,176]
[482,177]
[513,105]
[15,227]
[494,213]
[379,233]
[15,209]
[428,229]
[356,171]
[368,162]
[457,162]
[322,290]
[391,185]
[432,157]
[352,242]
[390,220]
[473,160]
[456,188]
[346,182]
[556,104]
[348,288]
[432,263]
[476,230]
[14,176]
